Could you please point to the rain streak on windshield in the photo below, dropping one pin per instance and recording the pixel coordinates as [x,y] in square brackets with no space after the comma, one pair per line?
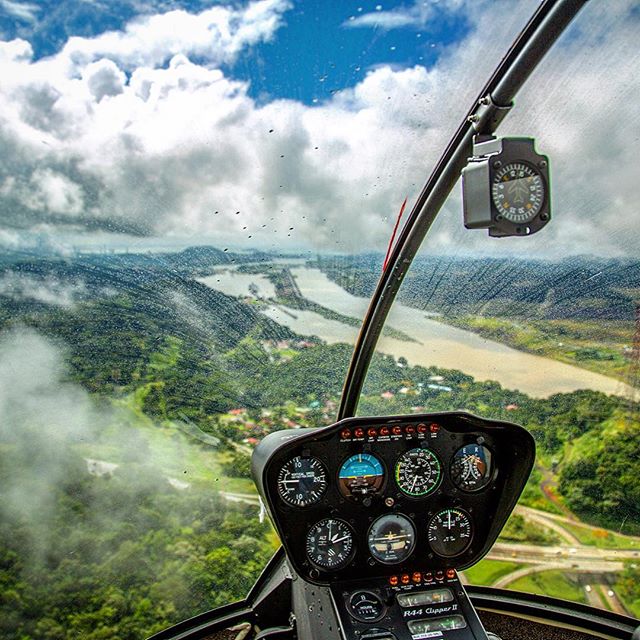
[196,200]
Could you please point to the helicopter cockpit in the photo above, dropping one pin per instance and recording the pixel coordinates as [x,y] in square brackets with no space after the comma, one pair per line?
[319,321]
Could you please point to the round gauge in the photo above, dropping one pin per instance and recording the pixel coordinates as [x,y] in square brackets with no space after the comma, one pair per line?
[360,475]
[450,532]
[366,606]
[302,481]
[330,543]
[418,472]
[392,538]
[471,467]
[518,192]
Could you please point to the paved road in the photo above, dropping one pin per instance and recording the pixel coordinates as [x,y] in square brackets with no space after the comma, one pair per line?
[542,518]
[612,600]
[589,567]
[577,554]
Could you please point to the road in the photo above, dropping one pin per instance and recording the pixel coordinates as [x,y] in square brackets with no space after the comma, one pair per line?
[545,520]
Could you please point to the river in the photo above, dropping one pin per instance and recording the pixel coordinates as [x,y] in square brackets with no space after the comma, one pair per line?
[438,344]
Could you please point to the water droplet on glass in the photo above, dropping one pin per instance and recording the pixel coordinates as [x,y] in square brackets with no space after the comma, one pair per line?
[378,7]
[270,130]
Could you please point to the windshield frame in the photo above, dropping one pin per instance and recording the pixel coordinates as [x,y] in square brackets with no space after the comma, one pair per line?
[494,102]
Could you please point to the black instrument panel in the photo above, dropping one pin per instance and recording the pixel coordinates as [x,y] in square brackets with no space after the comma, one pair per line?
[371,497]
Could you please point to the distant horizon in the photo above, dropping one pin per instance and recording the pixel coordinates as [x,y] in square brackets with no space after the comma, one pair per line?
[93,249]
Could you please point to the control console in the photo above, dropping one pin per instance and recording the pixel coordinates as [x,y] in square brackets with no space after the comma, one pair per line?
[378,514]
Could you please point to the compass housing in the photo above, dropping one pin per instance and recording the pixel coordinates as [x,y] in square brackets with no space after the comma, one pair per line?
[505,187]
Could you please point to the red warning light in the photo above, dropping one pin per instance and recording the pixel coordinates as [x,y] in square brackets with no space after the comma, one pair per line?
[359,432]
[345,433]
[434,428]
[372,432]
[405,579]
[384,431]
[393,581]
[397,430]
[416,577]
[451,573]
[422,428]
[410,429]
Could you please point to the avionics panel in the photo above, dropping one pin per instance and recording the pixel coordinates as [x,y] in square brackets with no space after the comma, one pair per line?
[385,497]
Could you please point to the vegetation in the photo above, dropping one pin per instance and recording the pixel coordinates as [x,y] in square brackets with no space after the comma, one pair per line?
[556,584]
[486,572]
[628,588]
[139,411]
[518,530]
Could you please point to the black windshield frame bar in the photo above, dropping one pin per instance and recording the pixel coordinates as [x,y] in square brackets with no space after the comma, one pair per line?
[495,100]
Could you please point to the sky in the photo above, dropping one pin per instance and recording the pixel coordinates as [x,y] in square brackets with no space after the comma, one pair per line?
[290,125]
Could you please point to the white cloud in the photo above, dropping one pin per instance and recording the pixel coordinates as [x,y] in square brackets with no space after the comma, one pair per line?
[22,10]
[217,35]
[417,15]
[177,150]
[15,51]
[46,290]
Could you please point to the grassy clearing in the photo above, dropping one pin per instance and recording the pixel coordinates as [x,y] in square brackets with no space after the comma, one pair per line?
[486,572]
[551,583]
[632,606]
[602,538]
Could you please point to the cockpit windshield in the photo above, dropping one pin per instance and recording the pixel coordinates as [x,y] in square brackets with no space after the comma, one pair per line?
[197,198]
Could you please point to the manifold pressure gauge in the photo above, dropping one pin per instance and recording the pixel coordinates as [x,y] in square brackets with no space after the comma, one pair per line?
[505,187]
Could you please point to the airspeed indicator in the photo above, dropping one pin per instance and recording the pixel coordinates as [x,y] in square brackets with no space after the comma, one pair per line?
[302,481]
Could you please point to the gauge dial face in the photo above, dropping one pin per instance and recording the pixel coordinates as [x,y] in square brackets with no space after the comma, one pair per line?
[302,481]
[392,538]
[360,475]
[330,543]
[518,192]
[471,468]
[418,472]
[450,532]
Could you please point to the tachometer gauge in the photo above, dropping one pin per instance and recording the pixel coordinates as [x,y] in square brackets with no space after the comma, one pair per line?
[330,543]
[450,532]
[360,475]
[392,538]
[471,467]
[302,481]
[418,472]
[518,192]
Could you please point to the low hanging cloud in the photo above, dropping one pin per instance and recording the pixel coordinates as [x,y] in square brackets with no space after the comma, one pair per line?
[126,133]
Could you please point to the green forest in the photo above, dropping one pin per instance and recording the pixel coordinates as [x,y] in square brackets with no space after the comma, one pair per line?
[130,413]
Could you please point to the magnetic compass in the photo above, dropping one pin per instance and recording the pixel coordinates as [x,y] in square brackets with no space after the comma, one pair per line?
[518,192]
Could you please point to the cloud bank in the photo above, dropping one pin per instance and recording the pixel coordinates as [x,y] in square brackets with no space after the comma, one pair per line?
[140,132]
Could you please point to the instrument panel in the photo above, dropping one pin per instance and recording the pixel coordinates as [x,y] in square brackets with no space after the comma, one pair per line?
[371,497]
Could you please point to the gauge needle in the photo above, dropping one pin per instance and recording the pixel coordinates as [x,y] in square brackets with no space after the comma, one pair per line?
[413,484]
[449,526]
[339,539]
